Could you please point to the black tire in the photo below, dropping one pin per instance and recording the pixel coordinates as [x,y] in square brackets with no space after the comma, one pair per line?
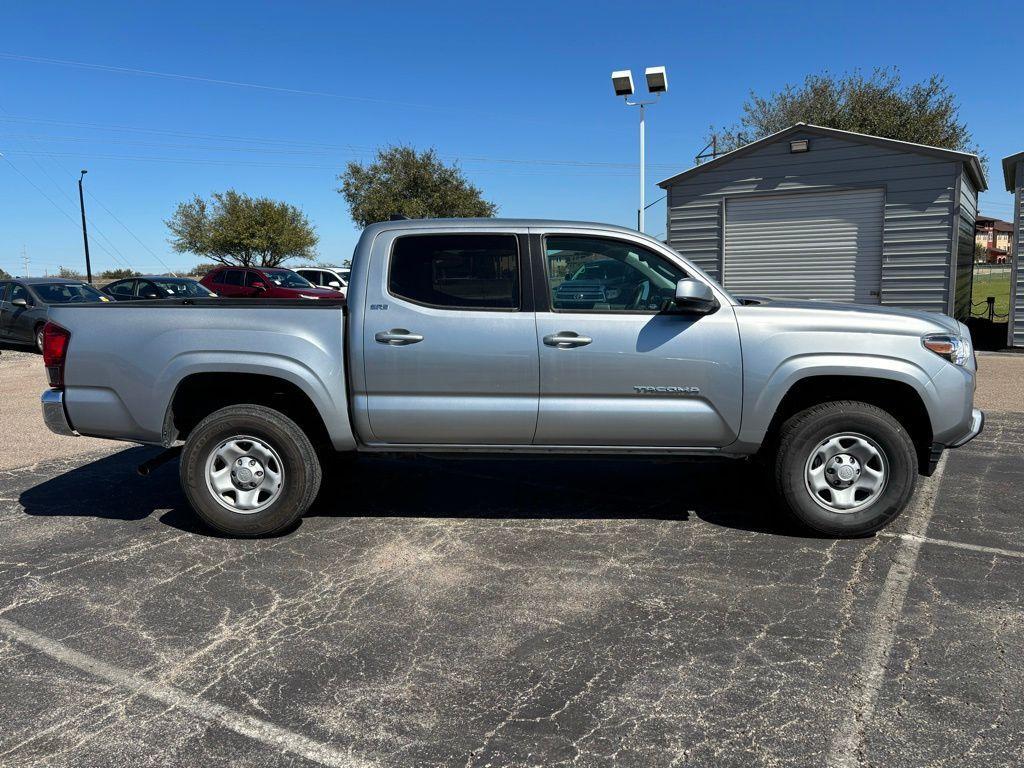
[298,459]
[39,337]
[803,437]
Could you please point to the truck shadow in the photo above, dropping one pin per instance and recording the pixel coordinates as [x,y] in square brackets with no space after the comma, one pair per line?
[729,494]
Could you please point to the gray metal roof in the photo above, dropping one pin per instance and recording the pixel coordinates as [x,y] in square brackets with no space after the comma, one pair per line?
[971,162]
[1009,168]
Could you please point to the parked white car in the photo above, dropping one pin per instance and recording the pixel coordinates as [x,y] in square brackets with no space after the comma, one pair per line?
[334,278]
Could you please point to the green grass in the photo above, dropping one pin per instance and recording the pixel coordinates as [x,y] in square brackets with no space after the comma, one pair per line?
[991,282]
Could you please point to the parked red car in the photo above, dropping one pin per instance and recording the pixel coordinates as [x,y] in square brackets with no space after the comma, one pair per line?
[263,283]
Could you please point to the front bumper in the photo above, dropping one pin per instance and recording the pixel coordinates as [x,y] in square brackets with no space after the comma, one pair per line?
[977,425]
[54,415]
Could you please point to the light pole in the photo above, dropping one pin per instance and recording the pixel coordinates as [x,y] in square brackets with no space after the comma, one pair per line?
[85,231]
[657,83]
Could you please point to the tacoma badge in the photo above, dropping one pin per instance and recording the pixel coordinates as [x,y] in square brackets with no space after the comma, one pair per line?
[646,390]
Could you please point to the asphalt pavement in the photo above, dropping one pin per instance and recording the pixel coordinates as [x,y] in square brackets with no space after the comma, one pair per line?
[520,613]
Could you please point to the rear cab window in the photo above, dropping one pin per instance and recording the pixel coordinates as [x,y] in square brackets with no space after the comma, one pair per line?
[459,271]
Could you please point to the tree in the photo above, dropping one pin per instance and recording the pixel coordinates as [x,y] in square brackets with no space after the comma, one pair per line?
[402,181]
[200,270]
[233,228]
[881,105]
[980,253]
[119,274]
[4,274]
[69,273]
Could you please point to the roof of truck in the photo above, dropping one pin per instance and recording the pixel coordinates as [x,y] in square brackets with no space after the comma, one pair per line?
[490,223]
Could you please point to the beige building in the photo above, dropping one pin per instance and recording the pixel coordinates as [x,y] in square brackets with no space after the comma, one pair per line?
[996,235]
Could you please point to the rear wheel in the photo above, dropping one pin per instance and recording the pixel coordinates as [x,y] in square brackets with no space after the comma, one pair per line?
[39,338]
[248,470]
[845,468]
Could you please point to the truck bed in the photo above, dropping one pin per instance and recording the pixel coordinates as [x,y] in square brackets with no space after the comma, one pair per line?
[126,360]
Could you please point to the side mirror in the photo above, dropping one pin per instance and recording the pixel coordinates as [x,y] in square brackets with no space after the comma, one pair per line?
[335,285]
[19,302]
[695,297]
[259,285]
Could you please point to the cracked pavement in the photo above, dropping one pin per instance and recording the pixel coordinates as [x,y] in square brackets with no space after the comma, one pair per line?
[491,612]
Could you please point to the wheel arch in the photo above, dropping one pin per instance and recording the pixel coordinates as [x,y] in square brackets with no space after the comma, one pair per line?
[893,394]
[199,394]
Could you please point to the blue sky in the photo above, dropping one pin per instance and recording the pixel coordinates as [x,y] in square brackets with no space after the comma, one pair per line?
[519,93]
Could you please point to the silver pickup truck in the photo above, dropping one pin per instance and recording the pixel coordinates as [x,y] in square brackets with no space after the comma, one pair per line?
[518,336]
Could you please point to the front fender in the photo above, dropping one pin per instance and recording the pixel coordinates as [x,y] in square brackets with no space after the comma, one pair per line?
[763,393]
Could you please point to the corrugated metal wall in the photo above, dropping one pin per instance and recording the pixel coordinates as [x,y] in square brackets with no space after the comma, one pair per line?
[964,280]
[1017,284]
[919,199]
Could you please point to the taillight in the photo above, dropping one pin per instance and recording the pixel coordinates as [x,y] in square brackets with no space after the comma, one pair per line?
[55,352]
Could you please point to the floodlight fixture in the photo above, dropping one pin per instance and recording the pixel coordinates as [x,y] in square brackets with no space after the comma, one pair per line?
[657,79]
[622,81]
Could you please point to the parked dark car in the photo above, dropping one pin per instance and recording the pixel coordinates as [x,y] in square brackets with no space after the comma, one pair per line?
[264,283]
[157,287]
[25,303]
[599,283]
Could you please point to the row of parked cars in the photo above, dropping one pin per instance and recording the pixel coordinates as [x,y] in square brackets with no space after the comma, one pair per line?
[25,302]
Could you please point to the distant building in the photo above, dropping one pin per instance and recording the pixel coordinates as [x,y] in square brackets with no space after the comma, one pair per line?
[996,236]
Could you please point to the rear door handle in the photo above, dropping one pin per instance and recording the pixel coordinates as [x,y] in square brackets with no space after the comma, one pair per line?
[397,337]
[566,340]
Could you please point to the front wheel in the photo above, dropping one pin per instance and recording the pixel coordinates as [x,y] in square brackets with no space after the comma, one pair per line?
[248,470]
[845,468]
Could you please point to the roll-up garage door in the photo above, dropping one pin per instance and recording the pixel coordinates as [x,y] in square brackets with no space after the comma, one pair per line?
[818,245]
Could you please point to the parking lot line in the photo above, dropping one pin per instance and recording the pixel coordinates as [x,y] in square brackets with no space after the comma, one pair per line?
[246,725]
[848,741]
[955,544]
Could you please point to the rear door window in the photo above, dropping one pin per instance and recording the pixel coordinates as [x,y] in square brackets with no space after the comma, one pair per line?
[234,277]
[456,271]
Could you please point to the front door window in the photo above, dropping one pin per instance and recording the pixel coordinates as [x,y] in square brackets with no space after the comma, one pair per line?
[595,274]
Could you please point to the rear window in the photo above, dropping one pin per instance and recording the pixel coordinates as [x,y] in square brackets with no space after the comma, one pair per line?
[456,271]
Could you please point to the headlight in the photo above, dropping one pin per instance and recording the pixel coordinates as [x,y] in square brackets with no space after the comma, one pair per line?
[956,349]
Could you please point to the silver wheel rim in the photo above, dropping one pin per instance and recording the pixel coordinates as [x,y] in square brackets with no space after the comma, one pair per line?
[846,472]
[245,474]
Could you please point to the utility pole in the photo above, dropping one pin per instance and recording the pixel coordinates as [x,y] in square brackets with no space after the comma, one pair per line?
[24,258]
[85,231]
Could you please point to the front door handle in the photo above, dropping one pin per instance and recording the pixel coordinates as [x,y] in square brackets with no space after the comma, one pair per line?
[566,340]
[397,337]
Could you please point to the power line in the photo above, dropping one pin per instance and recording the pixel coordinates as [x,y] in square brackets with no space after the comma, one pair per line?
[310,148]
[446,108]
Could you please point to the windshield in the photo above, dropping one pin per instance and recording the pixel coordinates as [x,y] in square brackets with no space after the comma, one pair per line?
[287,279]
[183,288]
[66,293]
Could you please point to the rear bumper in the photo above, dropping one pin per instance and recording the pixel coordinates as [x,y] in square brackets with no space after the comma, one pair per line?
[54,415]
[977,425]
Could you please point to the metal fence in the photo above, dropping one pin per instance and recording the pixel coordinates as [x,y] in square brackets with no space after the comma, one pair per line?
[993,281]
